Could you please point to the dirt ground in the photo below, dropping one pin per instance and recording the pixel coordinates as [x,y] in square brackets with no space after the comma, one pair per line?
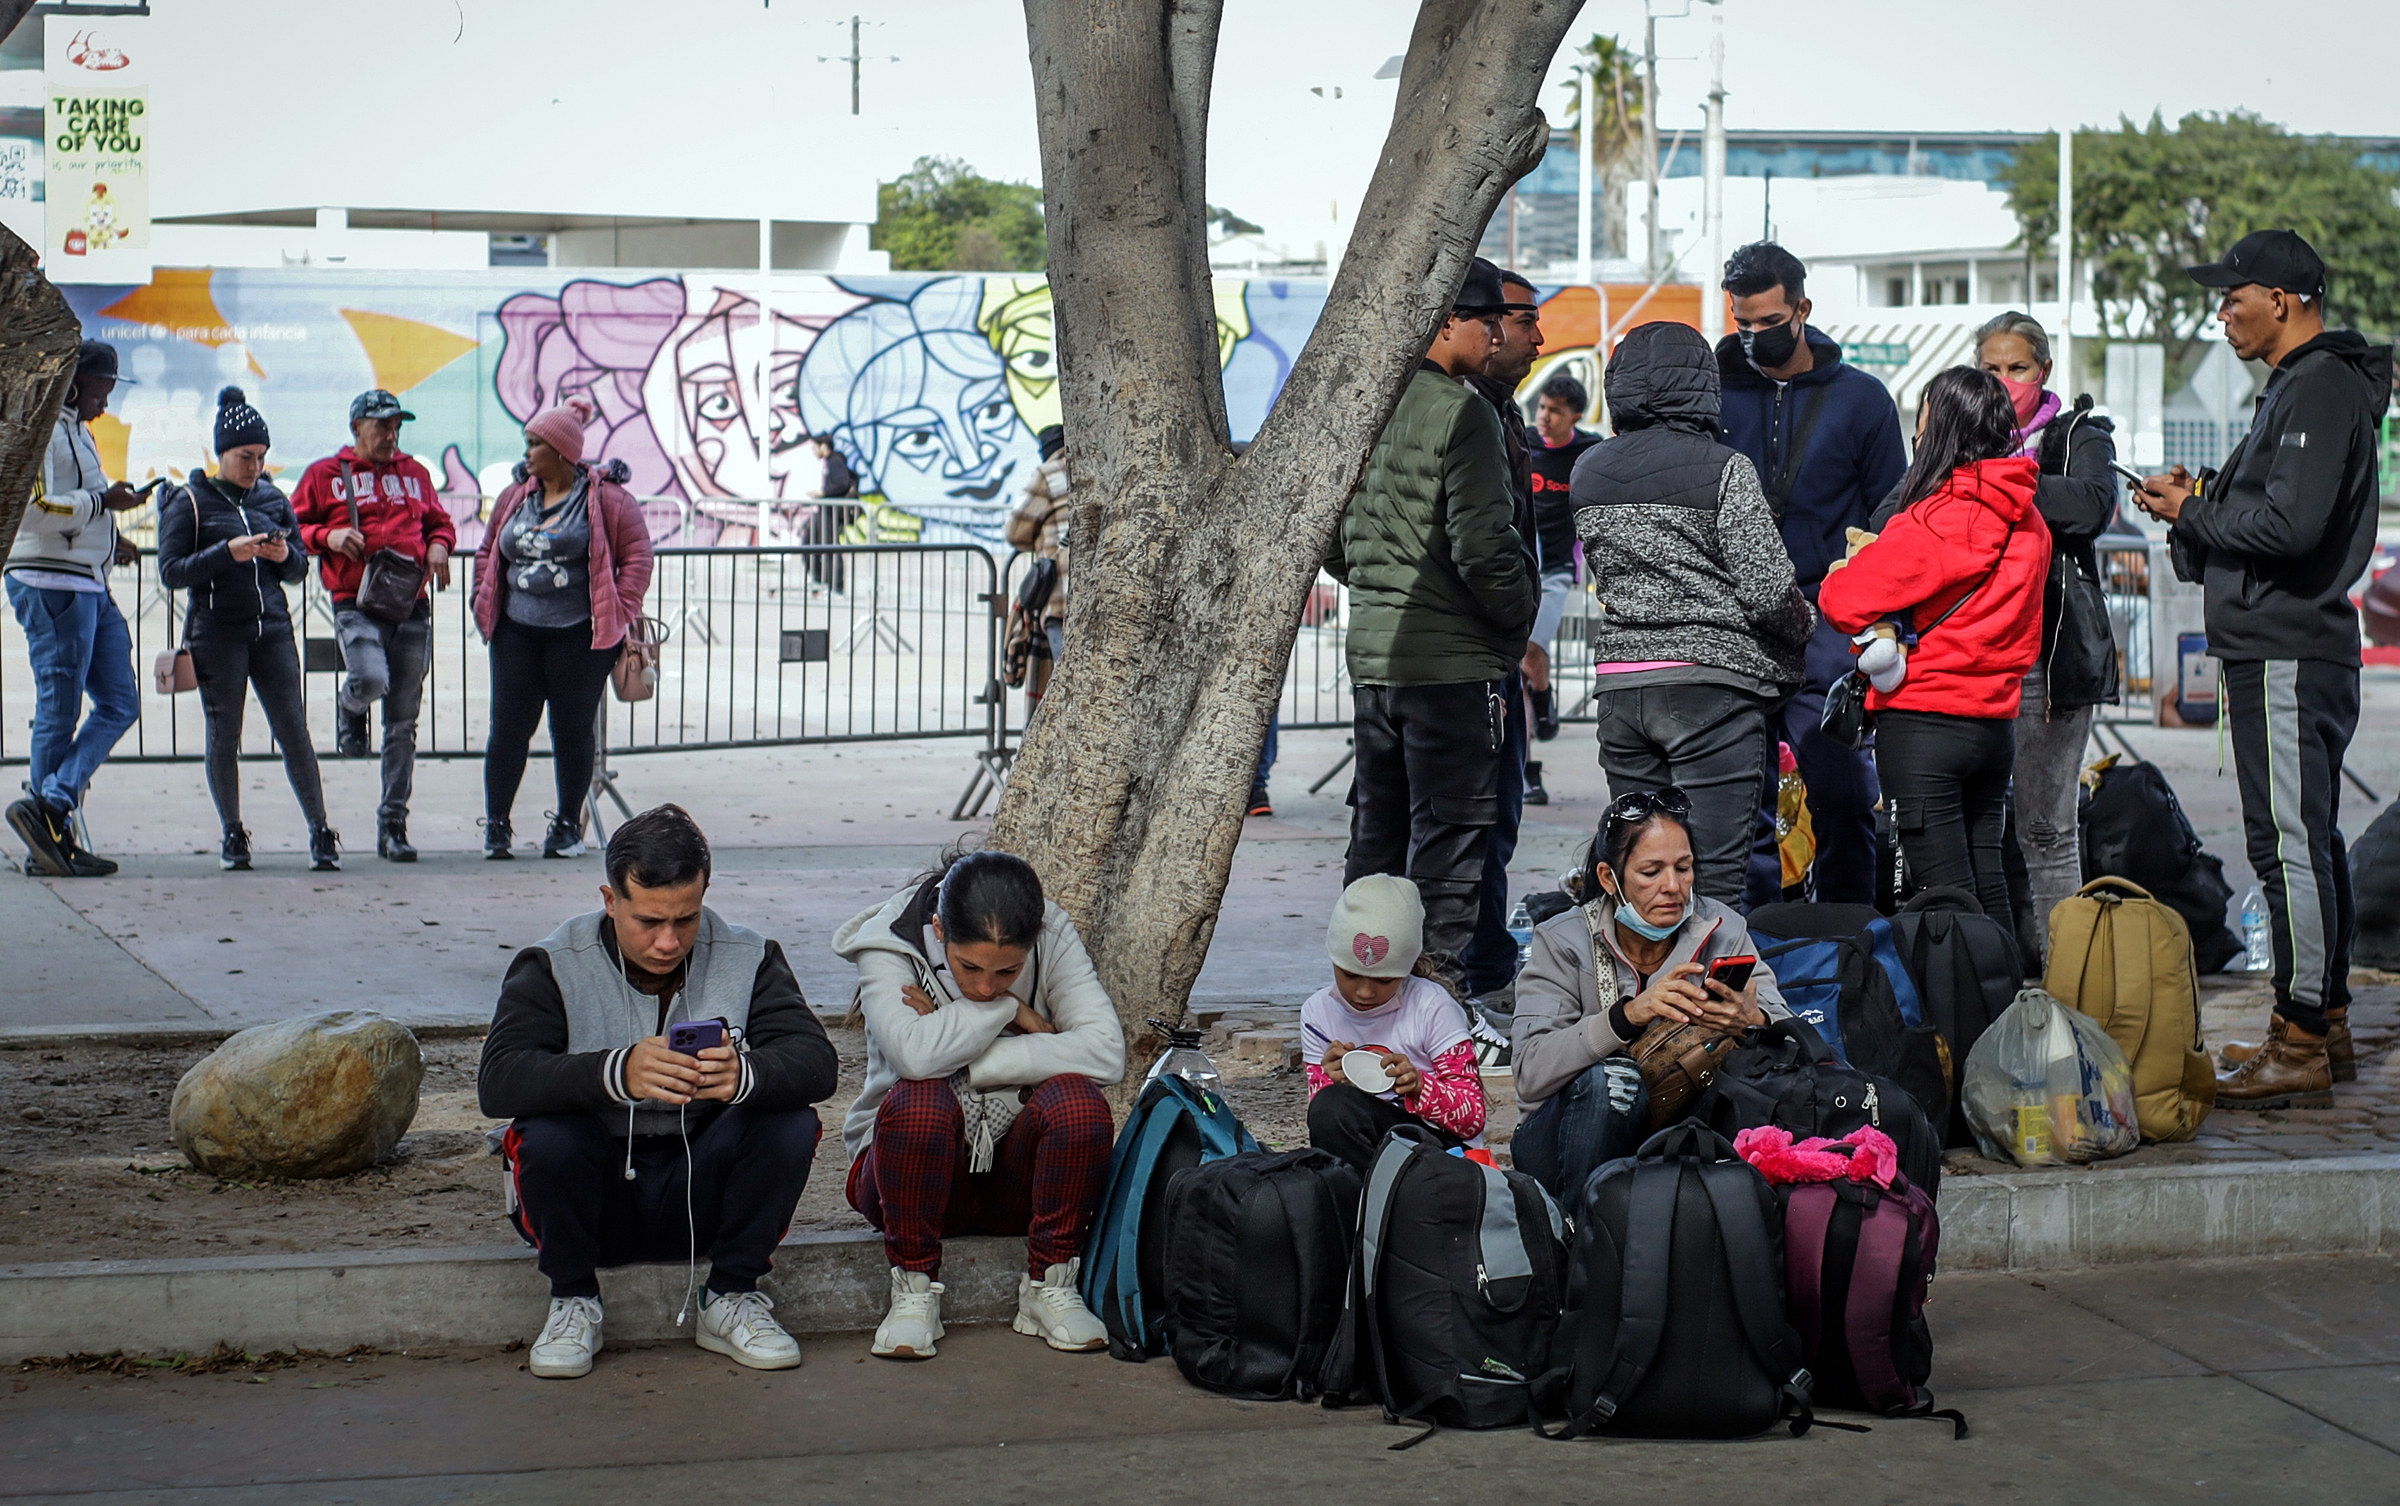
[88,1170]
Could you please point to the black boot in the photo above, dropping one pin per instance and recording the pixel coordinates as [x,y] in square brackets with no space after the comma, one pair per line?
[1545,714]
[349,732]
[325,850]
[1534,793]
[391,842]
[497,834]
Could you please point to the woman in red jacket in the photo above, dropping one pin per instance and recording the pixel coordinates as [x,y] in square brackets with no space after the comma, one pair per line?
[1968,548]
[558,581]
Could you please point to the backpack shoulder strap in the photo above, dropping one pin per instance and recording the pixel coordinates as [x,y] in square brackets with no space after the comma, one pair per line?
[1757,1286]
[1808,1214]
[1642,1309]
[1867,1315]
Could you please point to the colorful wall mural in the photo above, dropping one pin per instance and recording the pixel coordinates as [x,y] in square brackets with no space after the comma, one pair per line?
[933,386]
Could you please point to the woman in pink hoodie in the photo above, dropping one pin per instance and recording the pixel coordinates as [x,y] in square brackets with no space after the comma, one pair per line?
[1960,570]
[559,580]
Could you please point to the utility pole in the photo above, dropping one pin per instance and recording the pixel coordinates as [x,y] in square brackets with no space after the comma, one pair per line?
[856,57]
[2064,339]
[1650,131]
[1712,168]
[1583,187]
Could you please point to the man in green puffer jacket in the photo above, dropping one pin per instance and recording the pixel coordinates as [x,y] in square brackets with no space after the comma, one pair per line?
[1441,600]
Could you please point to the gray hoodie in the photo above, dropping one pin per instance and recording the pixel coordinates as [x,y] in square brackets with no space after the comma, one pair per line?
[962,1035]
[1562,1026]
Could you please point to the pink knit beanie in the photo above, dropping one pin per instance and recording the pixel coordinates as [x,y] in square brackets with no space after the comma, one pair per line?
[561,427]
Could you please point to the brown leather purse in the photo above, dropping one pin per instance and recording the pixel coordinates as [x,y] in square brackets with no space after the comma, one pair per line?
[1678,1062]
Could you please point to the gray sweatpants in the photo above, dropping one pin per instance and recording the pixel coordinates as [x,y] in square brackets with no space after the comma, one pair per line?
[2049,765]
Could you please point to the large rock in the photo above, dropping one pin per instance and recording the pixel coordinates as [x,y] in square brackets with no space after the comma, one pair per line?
[319,1096]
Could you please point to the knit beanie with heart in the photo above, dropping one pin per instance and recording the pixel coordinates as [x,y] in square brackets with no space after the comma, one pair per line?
[1378,928]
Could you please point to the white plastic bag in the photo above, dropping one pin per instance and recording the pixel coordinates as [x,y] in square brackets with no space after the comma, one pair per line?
[2045,1086]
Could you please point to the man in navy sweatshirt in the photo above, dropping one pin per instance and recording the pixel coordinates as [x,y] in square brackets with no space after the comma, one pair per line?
[1825,438]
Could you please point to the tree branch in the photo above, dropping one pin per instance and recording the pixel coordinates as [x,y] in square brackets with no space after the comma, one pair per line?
[38,338]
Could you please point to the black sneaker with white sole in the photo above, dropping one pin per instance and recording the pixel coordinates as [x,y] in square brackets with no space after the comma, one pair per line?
[565,839]
[497,835]
[325,850]
[234,855]
[40,832]
[1492,1048]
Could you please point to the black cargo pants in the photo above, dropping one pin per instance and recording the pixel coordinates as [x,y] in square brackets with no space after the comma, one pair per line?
[1424,793]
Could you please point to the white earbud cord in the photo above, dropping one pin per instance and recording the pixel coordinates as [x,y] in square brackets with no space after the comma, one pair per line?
[691,1223]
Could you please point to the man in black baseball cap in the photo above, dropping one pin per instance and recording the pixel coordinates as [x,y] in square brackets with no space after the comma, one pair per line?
[1442,595]
[2277,535]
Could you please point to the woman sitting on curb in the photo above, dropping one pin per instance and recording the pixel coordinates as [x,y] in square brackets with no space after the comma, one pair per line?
[1386,1000]
[989,1038]
[1581,1095]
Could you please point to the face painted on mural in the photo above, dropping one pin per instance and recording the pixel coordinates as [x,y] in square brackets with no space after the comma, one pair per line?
[918,398]
[1017,318]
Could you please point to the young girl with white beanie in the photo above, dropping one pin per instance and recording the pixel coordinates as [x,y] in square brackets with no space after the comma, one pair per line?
[1386,1001]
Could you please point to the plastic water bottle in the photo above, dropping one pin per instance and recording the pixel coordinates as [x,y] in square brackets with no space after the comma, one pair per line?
[1183,1058]
[1520,926]
[2261,957]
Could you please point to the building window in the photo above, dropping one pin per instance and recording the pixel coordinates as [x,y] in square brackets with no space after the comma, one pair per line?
[1895,292]
[1958,290]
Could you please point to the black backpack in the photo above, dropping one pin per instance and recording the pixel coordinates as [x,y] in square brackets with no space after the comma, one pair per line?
[1257,1270]
[2133,828]
[1840,969]
[1674,1324]
[2375,886]
[1455,1293]
[1785,1076]
[1967,970]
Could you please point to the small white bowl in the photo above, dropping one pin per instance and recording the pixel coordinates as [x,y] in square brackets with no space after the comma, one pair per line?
[1365,1071]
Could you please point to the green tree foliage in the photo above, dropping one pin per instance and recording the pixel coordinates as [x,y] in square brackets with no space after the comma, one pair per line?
[2152,200]
[943,216]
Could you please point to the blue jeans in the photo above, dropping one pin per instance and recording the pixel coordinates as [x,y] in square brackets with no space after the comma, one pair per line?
[1597,1118]
[78,646]
[1266,754]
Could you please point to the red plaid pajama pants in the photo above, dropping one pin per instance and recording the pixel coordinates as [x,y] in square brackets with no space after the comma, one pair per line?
[1047,1173]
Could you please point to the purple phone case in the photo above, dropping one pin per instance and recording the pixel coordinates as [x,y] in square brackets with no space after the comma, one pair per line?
[692,1037]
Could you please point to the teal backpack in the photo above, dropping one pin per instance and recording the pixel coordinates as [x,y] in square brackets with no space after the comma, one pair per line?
[1174,1126]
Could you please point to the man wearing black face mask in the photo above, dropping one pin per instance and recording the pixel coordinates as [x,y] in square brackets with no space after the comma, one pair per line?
[1825,439]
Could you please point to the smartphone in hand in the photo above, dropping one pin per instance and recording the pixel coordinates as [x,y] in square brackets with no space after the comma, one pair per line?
[691,1037]
[1733,972]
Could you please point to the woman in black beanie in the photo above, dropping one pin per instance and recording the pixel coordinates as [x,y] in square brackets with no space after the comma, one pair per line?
[230,539]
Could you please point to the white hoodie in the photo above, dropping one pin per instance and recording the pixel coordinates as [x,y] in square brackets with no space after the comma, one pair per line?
[1058,982]
[68,534]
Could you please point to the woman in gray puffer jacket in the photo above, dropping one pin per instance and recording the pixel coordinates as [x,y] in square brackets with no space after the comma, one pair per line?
[1701,630]
[1581,1093]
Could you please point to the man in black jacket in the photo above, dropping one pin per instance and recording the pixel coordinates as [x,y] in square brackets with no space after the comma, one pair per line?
[625,1148]
[2277,536]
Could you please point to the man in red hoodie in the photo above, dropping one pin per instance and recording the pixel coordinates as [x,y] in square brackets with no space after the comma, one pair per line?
[352,505]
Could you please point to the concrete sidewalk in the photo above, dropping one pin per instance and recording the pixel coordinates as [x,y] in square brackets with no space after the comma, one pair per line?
[2204,1380]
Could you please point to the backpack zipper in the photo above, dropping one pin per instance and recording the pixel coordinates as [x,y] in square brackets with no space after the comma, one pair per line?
[1873,1104]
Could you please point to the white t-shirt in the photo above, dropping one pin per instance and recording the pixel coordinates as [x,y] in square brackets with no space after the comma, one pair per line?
[1420,1022]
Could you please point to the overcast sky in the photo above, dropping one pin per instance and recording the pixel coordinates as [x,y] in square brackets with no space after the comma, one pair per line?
[1282,156]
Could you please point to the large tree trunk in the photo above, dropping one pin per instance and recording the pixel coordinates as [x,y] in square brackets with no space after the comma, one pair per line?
[1191,565]
[38,336]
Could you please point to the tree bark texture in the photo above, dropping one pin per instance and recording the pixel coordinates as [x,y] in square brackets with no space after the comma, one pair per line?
[1190,564]
[38,336]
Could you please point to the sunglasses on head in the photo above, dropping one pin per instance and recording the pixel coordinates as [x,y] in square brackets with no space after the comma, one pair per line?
[1641,805]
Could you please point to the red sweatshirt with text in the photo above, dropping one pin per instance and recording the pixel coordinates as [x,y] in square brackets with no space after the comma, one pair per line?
[398,508]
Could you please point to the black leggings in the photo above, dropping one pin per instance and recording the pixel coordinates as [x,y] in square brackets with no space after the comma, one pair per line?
[1946,778]
[532,668]
[227,670]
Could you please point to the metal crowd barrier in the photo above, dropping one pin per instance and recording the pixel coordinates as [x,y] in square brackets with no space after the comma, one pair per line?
[780,646]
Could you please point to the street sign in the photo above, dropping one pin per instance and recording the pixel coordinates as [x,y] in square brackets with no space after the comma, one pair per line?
[1870,353]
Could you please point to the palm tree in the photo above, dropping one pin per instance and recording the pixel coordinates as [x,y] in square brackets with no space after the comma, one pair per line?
[1617,139]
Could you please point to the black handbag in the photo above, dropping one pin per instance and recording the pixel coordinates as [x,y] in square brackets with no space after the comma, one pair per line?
[1846,719]
[390,582]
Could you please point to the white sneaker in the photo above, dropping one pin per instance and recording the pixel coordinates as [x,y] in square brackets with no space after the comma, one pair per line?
[738,1326]
[568,1341]
[909,1330]
[1053,1310]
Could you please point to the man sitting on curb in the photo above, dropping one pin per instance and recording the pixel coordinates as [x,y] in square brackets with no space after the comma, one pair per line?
[626,1150]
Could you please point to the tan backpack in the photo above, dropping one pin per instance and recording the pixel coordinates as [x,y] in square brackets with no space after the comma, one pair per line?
[2125,959]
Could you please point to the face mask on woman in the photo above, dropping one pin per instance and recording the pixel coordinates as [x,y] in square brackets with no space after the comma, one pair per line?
[1632,920]
[2026,396]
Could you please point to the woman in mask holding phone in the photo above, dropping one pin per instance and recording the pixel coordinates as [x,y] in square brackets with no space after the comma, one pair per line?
[231,541]
[1644,951]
